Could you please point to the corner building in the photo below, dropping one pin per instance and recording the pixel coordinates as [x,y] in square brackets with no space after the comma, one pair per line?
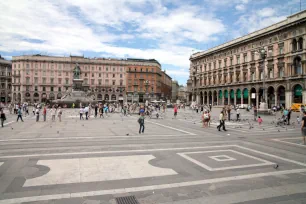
[233,73]
[5,80]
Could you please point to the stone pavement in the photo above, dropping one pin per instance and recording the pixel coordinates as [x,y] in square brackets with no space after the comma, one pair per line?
[174,161]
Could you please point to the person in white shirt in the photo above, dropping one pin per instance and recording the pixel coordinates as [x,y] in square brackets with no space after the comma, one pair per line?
[86,110]
[59,114]
[81,113]
[33,110]
[53,113]
[238,114]
[37,114]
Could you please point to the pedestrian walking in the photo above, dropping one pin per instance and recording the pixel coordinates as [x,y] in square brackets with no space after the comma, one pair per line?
[2,117]
[255,113]
[19,114]
[222,122]
[141,123]
[86,110]
[45,113]
[59,114]
[229,112]
[259,120]
[175,111]
[205,118]
[96,110]
[101,111]
[53,113]
[303,128]
[33,110]
[238,114]
[81,113]
[210,106]
[37,114]
[289,116]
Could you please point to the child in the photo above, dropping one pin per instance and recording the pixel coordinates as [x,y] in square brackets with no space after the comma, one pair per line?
[259,120]
[298,120]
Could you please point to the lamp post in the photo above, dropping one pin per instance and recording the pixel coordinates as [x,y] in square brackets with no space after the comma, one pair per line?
[263,54]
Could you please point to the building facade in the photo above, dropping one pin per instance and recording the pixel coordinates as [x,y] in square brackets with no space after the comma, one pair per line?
[38,78]
[175,89]
[144,79]
[5,80]
[182,93]
[166,86]
[237,73]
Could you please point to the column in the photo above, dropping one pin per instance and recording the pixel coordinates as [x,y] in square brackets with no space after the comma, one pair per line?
[212,99]
[228,97]
[304,97]
[203,99]
[288,99]
[276,98]
[217,99]
[249,98]
[241,98]
[257,100]
[222,99]
[235,99]
[192,97]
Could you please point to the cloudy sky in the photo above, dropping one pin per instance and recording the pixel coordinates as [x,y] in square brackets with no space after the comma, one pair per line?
[167,30]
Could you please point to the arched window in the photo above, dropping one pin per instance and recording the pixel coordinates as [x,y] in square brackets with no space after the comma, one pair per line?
[300,42]
[297,65]
[294,45]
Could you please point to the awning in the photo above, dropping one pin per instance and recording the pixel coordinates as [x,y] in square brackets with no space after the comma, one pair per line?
[232,94]
[220,94]
[238,93]
[225,94]
[298,90]
[245,93]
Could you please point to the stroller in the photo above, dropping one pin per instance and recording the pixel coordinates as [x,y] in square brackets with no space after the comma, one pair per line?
[282,121]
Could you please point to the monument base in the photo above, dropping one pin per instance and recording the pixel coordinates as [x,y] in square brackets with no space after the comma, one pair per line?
[263,109]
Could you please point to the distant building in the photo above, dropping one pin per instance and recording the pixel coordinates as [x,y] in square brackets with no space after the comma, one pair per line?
[175,89]
[5,80]
[182,93]
[166,86]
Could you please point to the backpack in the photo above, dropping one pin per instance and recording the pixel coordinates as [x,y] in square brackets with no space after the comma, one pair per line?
[140,120]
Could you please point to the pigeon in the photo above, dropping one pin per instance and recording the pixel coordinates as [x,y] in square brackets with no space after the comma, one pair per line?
[263,128]
[275,166]
[12,128]
[127,134]
[83,125]
[57,132]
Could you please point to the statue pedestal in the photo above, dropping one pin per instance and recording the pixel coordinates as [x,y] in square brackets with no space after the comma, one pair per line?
[77,84]
[263,109]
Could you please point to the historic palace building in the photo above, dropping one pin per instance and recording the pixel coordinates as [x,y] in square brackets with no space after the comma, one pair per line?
[39,78]
[268,64]
[5,80]
[146,81]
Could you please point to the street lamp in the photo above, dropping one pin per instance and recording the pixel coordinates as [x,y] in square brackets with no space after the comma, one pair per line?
[263,54]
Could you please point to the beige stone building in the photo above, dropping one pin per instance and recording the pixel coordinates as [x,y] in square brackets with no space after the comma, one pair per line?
[267,64]
[5,80]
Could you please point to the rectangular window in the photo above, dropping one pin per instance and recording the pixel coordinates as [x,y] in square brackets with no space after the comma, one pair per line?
[51,80]
[114,82]
[43,80]
[92,82]
[231,61]
[281,50]
[107,69]
[92,68]
[238,60]
[261,75]
[59,81]
[99,74]
[67,81]
[106,75]
[100,81]
[281,72]
[253,76]
[66,73]
[28,80]
[271,75]
[85,74]
[51,88]
[99,68]
[59,89]
[252,56]
[106,82]
[44,88]
[121,82]
[245,58]
[114,75]
[35,80]
[114,69]
[92,75]
[35,88]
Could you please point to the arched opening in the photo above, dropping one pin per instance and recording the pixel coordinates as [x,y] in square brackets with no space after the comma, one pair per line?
[201,98]
[44,97]
[297,94]
[190,97]
[297,65]
[36,95]
[19,97]
[210,97]
[261,95]
[271,97]
[51,96]
[27,95]
[294,45]
[99,97]
[113,97]
[59,96]
[205,98]
[253,96]
[300,42]
[238,96]
[220,97]
[106,97]
[225,97]
[281,97]
[245,96]
[215,96]
[2,97]
[232,97]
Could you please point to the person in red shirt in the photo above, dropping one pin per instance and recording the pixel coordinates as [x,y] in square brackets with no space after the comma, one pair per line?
[175,111]
[45,113]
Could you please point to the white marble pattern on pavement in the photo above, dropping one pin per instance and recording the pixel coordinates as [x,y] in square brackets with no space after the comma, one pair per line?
[79,170]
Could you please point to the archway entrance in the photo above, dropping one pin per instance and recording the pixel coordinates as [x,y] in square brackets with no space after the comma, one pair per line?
[245,96]
[225,97]
[281,96]
[238,96]
[297,95]
[253,96]
[210,97]
[201,98]
[232,97]
[220,97]
[271,97]
[205,97]
[215,97]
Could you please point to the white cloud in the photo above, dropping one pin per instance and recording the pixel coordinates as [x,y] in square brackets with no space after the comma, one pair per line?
[240,7]
[266,12]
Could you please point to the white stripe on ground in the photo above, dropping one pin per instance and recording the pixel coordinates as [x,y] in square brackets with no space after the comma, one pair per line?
[5,124]
[146,188]
[172,128]
[291,143]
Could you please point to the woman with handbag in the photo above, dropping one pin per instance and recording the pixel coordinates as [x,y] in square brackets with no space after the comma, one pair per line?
[3,118]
